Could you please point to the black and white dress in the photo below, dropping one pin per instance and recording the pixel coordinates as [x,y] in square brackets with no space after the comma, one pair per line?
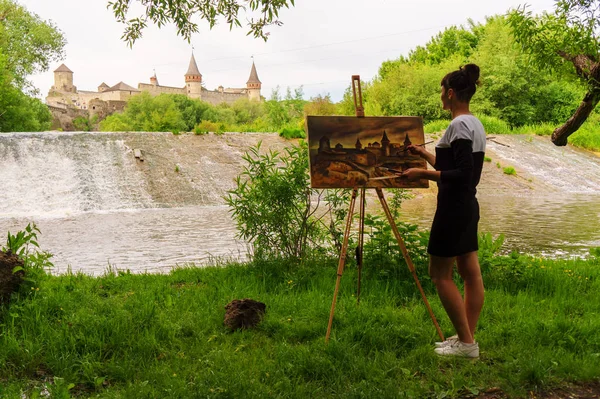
[459,158]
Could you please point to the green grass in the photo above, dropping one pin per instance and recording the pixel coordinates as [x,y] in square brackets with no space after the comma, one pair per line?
[509,170]
[487,159]
[436,126]
[292,133]
[162,336]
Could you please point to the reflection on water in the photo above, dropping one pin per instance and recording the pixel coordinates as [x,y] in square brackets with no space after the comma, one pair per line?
[153,240]
[551,225]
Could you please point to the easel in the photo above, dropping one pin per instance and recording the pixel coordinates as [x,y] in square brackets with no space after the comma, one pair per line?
[360,112]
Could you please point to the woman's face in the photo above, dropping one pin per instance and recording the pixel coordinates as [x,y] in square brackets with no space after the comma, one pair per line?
[447,98]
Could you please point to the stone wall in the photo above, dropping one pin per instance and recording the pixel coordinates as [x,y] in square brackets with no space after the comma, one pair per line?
[156,90]
[215,97]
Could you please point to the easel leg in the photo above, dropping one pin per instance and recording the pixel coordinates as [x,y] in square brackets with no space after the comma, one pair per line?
[361,235]
[342,261]
[411,267]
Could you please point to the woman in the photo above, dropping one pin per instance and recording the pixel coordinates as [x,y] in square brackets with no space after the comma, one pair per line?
[458,161]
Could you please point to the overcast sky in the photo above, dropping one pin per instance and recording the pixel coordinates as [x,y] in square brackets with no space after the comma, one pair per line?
[320,46]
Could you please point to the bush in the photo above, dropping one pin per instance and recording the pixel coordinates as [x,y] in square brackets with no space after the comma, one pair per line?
[494,125]
[509,170]
[292,133]
[436,126]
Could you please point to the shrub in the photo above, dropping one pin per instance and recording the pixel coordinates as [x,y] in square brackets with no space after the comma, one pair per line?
[487,159]
[272,204]
[436,126]
[292,133]
[206,127]
[509,170]
[494,125]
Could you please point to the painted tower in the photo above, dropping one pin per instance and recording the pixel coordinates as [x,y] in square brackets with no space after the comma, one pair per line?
[385,144]
[63,80]
[193,80]
[253,85]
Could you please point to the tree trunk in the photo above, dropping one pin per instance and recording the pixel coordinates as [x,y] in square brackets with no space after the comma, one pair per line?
[560,135]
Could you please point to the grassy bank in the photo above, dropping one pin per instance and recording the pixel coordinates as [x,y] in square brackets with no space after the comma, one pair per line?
[588,136]
[162,336]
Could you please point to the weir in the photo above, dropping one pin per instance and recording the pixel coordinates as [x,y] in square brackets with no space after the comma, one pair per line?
[97,204]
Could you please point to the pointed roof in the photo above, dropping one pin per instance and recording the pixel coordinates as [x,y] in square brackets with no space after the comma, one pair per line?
[385,138]
[122,87]
[63,68]
[253,75]
[193,68]
[103,85]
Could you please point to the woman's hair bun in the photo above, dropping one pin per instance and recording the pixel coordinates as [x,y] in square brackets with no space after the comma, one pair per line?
[472,72]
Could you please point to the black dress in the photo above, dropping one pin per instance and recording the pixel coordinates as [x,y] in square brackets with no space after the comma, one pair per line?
[459,157]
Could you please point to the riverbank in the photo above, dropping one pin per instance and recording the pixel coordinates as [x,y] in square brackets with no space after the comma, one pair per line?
[124,335]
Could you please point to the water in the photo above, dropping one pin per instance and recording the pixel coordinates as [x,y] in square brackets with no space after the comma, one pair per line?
[96,205]
[146,240]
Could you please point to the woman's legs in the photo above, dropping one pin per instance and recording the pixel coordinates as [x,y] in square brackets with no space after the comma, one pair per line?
[440,270]
[469,270]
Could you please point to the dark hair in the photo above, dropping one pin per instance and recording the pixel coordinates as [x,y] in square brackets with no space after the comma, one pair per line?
[464,81]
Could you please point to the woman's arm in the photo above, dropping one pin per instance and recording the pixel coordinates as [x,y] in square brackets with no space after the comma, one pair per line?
[423,153]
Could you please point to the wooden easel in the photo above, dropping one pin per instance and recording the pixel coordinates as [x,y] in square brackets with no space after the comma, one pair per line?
[360,112]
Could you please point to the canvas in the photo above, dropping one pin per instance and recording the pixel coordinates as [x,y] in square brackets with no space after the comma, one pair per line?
[348,152]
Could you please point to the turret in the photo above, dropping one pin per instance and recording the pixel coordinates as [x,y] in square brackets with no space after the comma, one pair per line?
[63,80]
[253,85]
[154,80]
[193,80]
[103,86]
[385,144]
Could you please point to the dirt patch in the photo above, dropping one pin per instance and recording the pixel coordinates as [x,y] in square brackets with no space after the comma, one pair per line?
[244,313]
[9,281]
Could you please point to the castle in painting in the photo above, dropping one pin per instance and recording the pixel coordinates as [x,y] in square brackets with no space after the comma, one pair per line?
[64,94]
[372,154]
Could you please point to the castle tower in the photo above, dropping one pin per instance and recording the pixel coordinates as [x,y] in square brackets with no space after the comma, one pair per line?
[324,144]
[253,85]
[154,79]
[193,80]
[358,144]
[407,141]
[63,80]
[103,86]
[385,144]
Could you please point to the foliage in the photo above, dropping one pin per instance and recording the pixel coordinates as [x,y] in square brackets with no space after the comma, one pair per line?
[161,335]
[182,14]
[25,245]
[509,170]
[18,111]
[27,46]
[28,43]
[272,203]
[82,123]
[320,105]
[292,133]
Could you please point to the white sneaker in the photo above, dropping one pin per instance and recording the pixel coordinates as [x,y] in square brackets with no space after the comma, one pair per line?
[448,341]
[458,348]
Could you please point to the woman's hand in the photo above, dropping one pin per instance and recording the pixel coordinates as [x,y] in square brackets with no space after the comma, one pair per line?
[417,150]
[412,174]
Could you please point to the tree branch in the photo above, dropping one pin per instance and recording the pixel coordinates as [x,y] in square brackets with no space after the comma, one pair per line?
[591,99]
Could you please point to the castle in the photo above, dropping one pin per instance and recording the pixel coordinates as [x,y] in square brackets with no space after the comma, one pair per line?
[109,99]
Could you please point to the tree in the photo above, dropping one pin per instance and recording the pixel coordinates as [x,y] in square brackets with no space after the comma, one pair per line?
[566,41]
[262,13]
[28,43]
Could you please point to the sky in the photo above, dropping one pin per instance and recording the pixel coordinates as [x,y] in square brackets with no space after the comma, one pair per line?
[320,45]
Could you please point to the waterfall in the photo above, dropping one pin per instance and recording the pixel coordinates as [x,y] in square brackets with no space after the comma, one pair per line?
[561,169]
[61,174]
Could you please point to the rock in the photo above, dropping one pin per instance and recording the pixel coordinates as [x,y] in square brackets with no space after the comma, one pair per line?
[9,281]
[244,313]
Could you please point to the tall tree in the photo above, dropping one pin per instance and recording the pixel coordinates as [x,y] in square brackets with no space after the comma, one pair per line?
[29,43]
[565,41]
[260,14]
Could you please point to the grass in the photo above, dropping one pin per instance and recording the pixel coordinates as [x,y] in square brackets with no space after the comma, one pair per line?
[509,170]
[162,336]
